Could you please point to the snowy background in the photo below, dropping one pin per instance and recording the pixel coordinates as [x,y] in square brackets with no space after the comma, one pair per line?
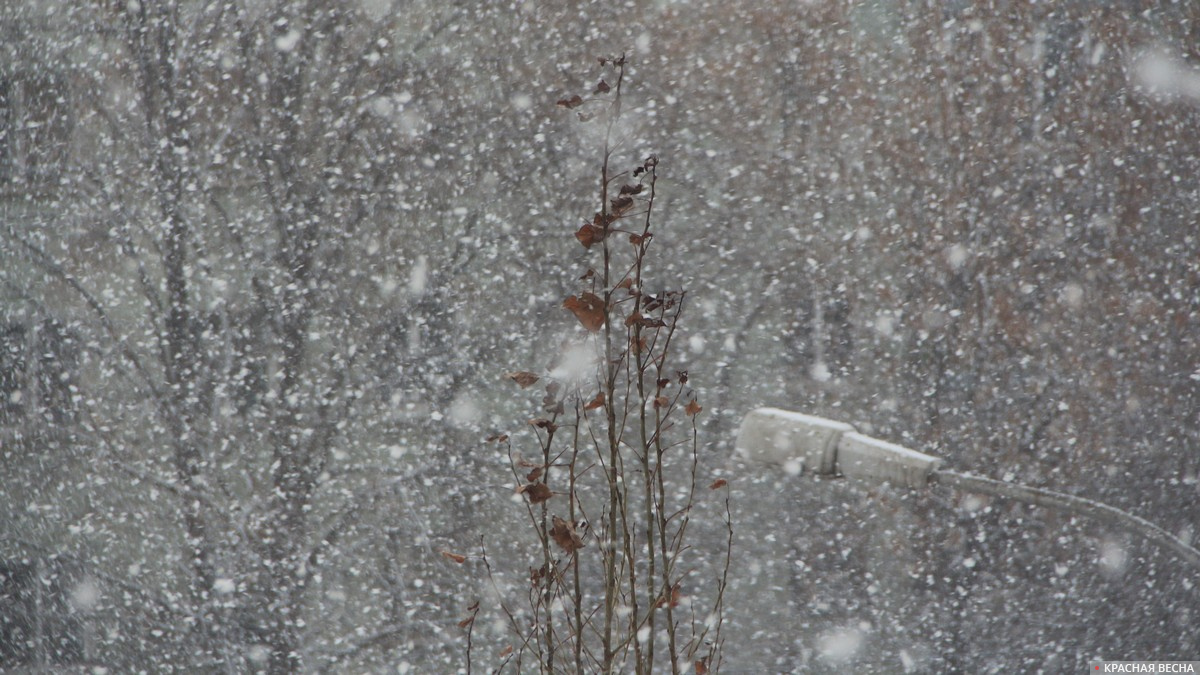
[264,265]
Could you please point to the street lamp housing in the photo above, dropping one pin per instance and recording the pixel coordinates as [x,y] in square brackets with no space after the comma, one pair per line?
[828,448]
[781,437]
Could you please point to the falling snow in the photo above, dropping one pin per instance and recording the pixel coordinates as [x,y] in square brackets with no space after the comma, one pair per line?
[264,267]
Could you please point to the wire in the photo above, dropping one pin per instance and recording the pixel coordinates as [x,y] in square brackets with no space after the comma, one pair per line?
[1077,505]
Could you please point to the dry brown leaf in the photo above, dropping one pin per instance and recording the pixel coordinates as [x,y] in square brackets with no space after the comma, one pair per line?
[588,308]
[597,402]
[676,594]
[637,345]
[535,474]
[621,204]
[718,484]
[702,666]
[536,576]
[467,621]
[573,102]
[537,492]
[590,235]
[509,649]
[524,378]
[565,536]
[460,559]
[692,408]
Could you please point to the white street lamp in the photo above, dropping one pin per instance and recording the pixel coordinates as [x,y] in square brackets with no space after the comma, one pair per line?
[828,448]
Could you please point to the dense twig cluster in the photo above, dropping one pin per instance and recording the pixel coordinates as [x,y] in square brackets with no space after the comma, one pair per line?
[610,494]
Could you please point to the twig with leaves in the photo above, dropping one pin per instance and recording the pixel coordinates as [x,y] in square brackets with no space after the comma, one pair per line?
[608,594]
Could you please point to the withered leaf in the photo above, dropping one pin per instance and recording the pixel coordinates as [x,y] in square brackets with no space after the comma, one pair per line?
[474,606]
[460,559]
[602,88]
[467,621]
[676,594]
[568,103]
[524,378]
[597,402]
[588,274]
[692,408]
[535,474]
[718,484]
[637,345]
[497,438]
[537,492]
[663,383]
[701,666]
[626,283]
[635,317]
[552,405]
[565,536]
[543,423]
[632,189]
[509,649]
[622,204]
[682,376]
[589,235]
[661,402]
[588,308]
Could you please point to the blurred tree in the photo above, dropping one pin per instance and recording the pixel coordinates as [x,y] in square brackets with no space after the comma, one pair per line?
[278,242]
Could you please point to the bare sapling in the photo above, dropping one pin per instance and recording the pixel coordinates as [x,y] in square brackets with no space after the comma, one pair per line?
[609,470]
